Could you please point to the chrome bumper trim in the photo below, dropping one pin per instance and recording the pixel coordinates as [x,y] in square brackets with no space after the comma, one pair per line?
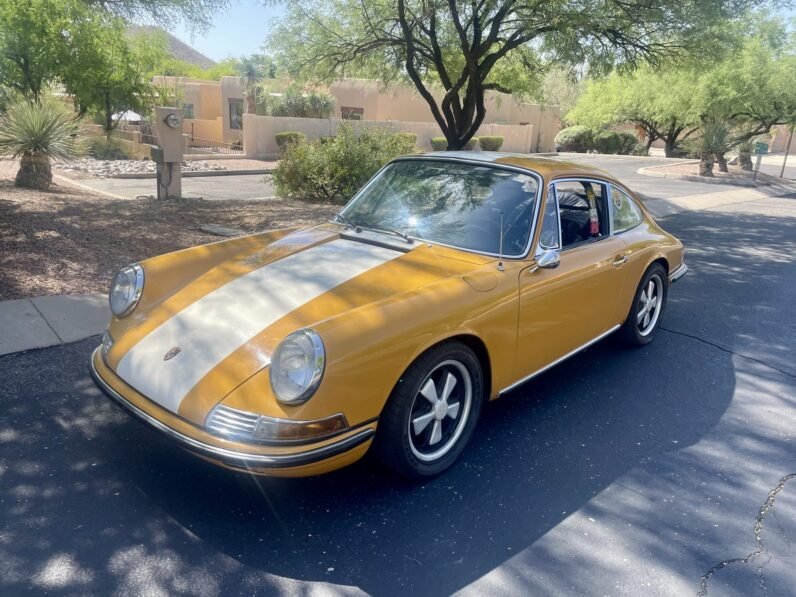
[232,457]
[678,273]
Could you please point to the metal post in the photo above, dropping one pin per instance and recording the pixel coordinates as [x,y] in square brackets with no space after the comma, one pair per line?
[757,165]
[787,151]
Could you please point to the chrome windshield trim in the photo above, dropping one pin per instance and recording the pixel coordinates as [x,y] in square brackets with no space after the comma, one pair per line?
[481,163]
[559,360]
[232,457]
[678,273]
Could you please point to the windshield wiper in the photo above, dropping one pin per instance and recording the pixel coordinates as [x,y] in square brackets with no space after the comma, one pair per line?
[388,230]
[377,227]
[344,220]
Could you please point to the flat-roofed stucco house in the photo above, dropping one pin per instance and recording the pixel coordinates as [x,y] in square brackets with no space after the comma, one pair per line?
[214,111]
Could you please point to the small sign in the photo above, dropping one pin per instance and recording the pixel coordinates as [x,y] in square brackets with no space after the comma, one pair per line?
[761,148]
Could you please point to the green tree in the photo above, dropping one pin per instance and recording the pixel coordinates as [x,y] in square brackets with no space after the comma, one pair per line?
[199,14]
[251,70]
[34,43]
[659,101]
[109,73]
[468,48]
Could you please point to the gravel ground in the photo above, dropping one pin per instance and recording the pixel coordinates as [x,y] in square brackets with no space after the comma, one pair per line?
[71,241]
[93,168]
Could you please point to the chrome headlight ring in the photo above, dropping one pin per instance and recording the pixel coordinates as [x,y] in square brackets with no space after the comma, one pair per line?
[297,367]
[126,289]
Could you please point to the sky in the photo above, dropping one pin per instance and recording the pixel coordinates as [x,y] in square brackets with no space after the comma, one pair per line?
[238,31]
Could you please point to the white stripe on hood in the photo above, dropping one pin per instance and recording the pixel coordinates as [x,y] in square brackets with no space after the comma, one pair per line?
[219,323]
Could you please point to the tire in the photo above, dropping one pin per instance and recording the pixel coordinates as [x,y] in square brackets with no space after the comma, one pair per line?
[424,428]
[642,322]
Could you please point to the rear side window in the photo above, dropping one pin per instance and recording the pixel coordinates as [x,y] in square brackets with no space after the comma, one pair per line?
[625,214]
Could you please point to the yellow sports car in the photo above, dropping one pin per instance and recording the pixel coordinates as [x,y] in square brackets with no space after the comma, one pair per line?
[449,279]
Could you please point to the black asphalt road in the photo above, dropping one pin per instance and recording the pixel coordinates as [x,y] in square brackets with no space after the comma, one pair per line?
[618,472]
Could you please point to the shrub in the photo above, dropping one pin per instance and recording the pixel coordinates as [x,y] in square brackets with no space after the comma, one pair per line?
[470,145]
[294,102]
[408,137]
[628,143]
[607,142]
[439,143]
[107,148]
[490,143]
[575,138]
[37,133]
[286,138]
[333,171]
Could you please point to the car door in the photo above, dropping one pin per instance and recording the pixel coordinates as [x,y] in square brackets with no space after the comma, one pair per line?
[565,306]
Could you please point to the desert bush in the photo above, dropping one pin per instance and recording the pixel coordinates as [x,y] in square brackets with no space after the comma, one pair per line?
[409,137]
[490,143]
[628,143]
[575,138]
[333,171]
[286,138]
[439,143]
[107,148]
[607,142]
[37,133]
[295,102]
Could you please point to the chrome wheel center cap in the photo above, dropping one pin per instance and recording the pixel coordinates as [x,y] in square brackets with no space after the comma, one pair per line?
[440,410]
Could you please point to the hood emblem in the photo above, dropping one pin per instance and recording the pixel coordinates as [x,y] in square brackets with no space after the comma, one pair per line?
[172,353]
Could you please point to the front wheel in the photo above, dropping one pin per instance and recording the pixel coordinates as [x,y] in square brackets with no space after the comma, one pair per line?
[432,412]
[644,318]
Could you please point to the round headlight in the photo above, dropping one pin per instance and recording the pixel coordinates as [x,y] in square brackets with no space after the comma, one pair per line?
[297,367]
[126,289]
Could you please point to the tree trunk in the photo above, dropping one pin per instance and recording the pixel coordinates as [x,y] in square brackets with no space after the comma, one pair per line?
[34,172]
[722,162]
[670,148]
[745,161]
[251,102]
[706,164]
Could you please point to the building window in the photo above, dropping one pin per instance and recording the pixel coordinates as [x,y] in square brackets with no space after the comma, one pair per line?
[187,111]
[236,114]
[347,113]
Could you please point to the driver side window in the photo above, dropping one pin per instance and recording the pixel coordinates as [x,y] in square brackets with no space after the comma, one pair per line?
[583,211]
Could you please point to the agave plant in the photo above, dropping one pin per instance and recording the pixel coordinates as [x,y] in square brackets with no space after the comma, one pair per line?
[714,141]
[37,133]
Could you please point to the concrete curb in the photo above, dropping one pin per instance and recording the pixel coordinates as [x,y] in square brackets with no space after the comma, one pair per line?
[654,171]
[73,183]
[51,320]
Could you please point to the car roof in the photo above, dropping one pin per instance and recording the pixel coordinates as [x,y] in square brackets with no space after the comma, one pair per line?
[547,167]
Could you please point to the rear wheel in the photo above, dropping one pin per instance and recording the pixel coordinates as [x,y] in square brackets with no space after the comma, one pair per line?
[432,412]
[649,302]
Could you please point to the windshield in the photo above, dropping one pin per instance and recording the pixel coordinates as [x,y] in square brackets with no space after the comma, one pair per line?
[450,203]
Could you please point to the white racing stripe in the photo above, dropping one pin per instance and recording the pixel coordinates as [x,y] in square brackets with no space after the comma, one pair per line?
[216,325]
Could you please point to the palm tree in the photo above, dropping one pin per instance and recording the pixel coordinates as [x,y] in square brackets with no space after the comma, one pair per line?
[251,69]
[37,133]
[715,140]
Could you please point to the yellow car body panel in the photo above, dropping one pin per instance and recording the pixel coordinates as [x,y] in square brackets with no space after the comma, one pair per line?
[519,319]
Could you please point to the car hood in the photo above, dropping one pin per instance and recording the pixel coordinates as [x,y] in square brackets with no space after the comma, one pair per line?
[221,328]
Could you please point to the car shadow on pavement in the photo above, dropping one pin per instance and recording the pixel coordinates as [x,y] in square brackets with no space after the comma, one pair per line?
[96,502]
[92,502]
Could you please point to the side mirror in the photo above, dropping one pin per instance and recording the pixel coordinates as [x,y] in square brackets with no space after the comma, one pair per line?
[548,259]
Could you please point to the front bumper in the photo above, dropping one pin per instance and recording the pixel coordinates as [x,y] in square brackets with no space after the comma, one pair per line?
[678,273]
[296,463]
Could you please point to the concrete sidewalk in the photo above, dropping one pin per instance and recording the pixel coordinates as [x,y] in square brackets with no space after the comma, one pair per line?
[50,320]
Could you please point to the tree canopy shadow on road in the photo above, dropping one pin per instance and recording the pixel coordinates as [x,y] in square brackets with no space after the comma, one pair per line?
[93,502]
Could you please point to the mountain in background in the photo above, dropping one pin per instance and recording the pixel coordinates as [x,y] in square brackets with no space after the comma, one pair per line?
[178,49]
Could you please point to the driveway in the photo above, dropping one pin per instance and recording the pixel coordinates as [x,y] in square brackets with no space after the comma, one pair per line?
[212,188]
[638,472]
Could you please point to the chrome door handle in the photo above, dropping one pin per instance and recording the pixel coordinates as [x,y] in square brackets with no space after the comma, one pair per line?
[620,261]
